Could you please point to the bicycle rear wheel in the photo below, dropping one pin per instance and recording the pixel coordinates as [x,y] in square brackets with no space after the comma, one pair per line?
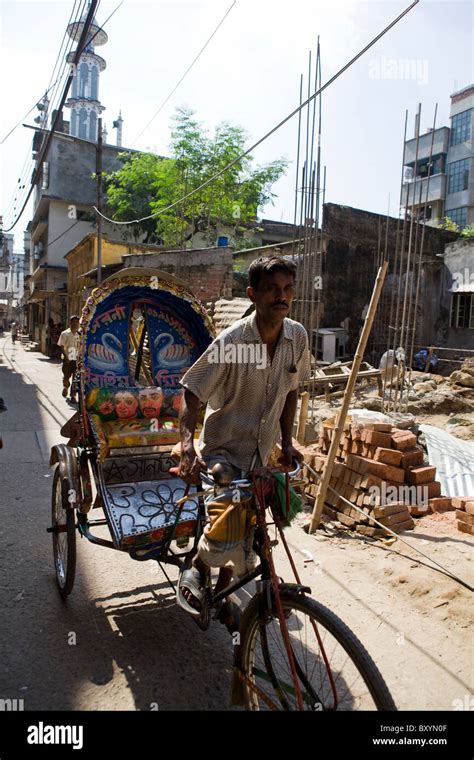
[335,671]
[64,537]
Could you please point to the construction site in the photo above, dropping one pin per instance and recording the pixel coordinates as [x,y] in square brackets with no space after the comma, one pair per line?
[386,422]
[214,570]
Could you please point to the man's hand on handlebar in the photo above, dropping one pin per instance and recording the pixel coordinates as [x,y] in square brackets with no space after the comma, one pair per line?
[190,465]
[289,454]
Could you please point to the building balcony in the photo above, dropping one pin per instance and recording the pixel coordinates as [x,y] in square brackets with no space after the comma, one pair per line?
[436,190]
[440,146]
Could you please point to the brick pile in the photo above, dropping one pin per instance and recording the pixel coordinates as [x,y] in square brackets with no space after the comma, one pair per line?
[464,506]
[380,469]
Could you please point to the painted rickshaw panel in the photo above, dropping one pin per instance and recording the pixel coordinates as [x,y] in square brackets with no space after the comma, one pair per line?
[141,511]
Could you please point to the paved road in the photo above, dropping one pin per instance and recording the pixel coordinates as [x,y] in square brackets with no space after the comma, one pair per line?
[119,642]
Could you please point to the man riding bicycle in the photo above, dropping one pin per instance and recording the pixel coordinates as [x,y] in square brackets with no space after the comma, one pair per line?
[249,378]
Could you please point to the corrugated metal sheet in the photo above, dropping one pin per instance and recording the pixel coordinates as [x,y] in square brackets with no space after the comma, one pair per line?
[227,312]
[453,459]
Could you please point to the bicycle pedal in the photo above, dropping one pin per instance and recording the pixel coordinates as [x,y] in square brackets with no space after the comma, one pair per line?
[275,542]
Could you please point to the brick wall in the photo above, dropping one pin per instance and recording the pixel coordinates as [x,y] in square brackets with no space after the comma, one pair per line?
[208,272]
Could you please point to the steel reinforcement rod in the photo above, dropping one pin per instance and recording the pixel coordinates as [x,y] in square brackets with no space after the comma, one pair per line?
[420,257]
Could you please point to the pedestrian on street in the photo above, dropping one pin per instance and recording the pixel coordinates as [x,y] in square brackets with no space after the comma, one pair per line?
[49,338]
[14,327]
[69,344]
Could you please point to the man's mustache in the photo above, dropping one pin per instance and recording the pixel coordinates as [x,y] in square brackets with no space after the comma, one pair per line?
[280,303]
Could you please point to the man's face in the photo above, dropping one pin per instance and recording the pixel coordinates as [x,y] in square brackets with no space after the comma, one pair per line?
[74,325]
[150,402]
[274,295]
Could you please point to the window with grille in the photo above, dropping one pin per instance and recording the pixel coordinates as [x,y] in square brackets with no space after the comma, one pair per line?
[458,176]
[461,127]
[462,310]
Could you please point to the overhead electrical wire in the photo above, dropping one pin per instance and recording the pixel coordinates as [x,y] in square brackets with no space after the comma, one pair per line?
[268,134]
[77,52]
[185,73]
[60,56]
[43,149]
[19,123]
[50,87]
[30,160]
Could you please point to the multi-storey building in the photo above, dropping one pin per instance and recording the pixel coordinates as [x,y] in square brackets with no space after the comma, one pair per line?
[445,186]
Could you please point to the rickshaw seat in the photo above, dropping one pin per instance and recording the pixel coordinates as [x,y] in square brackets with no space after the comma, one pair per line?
[125,417]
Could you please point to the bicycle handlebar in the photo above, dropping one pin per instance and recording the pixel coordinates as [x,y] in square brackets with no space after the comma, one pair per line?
[208,478]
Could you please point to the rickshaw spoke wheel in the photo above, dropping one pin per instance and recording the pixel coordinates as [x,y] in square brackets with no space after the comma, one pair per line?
[334,670]
[64,536]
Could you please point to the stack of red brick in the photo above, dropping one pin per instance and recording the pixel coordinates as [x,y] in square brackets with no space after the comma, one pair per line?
[464,506]
[379,468]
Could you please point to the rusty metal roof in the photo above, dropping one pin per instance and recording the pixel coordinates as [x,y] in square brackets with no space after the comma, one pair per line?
[226,312]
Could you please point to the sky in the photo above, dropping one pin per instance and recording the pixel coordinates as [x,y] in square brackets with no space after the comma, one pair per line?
[249,75]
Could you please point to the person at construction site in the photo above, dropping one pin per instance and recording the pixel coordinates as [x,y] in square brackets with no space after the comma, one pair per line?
[249,378]
[69,345]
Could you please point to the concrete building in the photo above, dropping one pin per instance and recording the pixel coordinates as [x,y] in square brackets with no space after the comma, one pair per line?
[460,190]
[6,253]
[458,294]
[447,185]
[6,257]
[262,232]
[65,189]
[62,217]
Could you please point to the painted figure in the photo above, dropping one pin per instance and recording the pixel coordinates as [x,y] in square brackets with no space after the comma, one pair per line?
[100,401]
[126,405]
[150,400]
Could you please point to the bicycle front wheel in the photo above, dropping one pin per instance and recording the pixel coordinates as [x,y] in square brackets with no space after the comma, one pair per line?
[334,671]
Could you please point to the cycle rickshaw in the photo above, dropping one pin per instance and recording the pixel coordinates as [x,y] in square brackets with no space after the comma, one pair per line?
[139,332]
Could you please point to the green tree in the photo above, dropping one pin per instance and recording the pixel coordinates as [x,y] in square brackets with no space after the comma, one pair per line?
[468,232]
[148,183]
[448,224]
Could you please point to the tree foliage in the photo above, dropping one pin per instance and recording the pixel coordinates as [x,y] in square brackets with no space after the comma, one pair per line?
[147,183]
[449,224]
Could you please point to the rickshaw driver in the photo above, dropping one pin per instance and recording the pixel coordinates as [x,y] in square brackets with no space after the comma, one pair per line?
[248,404]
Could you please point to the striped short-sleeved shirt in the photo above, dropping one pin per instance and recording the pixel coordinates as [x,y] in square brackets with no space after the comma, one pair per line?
[244,391]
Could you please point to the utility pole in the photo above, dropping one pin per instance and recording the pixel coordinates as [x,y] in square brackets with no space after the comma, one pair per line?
[99,200]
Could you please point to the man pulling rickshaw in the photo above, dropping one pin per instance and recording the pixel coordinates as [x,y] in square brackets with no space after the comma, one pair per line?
[248,406]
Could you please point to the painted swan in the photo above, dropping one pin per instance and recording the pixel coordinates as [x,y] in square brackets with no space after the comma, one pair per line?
[169,353]
[104,356]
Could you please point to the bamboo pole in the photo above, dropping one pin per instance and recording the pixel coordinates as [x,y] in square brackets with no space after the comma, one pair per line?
[323,485]
[302,419]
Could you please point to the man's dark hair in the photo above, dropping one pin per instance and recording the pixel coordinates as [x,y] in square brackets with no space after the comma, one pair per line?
[74,316]
[269,265]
